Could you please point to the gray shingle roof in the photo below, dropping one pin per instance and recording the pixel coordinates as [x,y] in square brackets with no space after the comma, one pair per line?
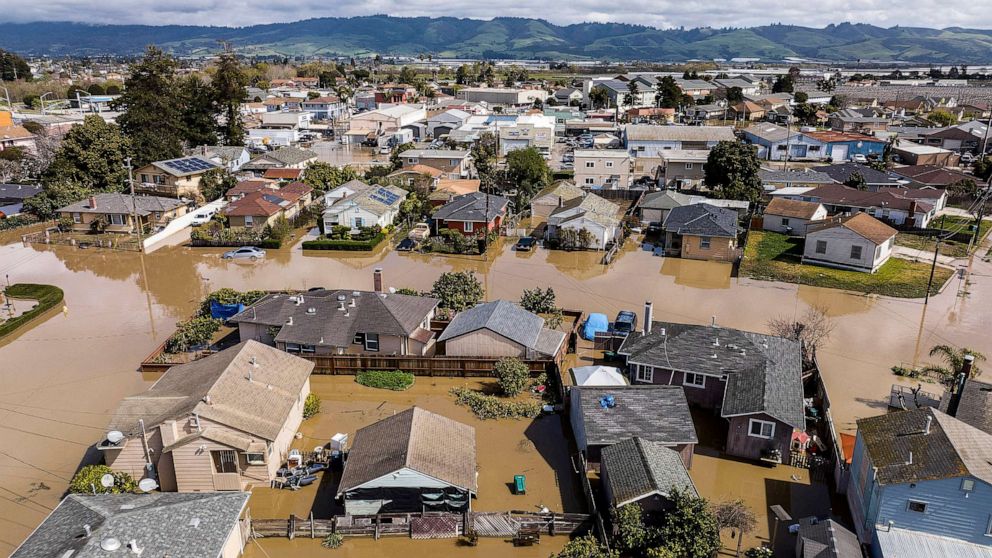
[160,523]
[592,207]
[382,313]
[637,468]
[472,207]
[426,442]
[277,379]
[656,413]
[286,156]
[952,448]
[827,539]
[702,219]
[508,320]
[841,172]
[120,203]
[14,192]
[435,153]
[764,372]
[975,407]
[651,132]
[806,176]
[194,165]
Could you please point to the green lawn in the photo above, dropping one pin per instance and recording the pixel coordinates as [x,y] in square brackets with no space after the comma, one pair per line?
[953,223]
[947,248]
[776,257]
[46,295]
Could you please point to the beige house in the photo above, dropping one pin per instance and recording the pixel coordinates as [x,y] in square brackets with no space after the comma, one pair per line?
[175,178]
[224,422]
[501,329]
[117,212]
[792,217]
[859,243]
[702,232]
[602,168]
[683,168]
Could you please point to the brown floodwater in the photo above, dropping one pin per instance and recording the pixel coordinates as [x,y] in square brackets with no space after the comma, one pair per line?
[63,375]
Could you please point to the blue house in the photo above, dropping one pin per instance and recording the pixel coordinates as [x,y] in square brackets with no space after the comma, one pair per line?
[843,146]
[921,472]
[775,141]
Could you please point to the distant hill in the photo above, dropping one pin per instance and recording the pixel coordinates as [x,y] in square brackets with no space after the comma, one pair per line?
[512,38]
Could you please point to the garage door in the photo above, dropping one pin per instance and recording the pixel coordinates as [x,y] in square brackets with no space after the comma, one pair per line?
[839,153]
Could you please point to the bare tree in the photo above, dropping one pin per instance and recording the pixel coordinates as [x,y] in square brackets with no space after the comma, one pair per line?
[735,515]
[812,329]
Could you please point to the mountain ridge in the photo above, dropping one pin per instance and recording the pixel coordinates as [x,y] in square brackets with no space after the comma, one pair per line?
[508,37]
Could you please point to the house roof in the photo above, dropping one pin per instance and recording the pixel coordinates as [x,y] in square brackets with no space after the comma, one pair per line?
[260,203]
[792,208]
[657,413]
[426,442]
[637,468]
[290,174]
[18,191]
[906,543]
[702,219]
[247,186]
[476,207]
[651,132]
[419,169]
[885,198]
[435,153]
[861,223]
[288,156]
[903,450]
[564,189]
[841,172]
[120,203]
[376,199]
[591,206]
[830,136]
[160,523]
[382,313]
[771,132]
[827,539]
[223,152]
[975,407]
[764,372]
[235,388]
[930,175]
[458,186]
[507,320]
[805,176]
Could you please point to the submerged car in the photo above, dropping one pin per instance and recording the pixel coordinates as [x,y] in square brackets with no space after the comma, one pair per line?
[245,252]
[626,322]
[406,245]
[525,244]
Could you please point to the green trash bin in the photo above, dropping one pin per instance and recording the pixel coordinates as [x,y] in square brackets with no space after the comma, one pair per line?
[519,484]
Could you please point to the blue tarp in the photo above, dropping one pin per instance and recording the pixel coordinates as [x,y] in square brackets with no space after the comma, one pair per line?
[595,323]
[224,311]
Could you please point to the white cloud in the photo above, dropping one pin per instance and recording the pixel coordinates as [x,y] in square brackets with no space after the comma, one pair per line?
[658,13]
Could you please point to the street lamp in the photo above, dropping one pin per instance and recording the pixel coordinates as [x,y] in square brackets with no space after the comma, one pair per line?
[42,99]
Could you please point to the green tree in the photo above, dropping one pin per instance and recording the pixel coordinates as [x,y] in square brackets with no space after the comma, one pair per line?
[585,547]
[538,301]
[783,84]
[805,114]
[408,75]
[982,167]
[954,361]
[228,85]
[89,479]
[484,157]
[311,406]
[457,290]
[91,155]
[96,89]
[394,157]
[215,183]
[599,97]
[323,176]
[13,67]
[152,112]
[56,194]
[731,169]
[669,94]
[689,529]
[735,95]
[856,180]
[415,207]
[528,172]
[966,187]
[512,375]
[942,117]
[633,537]
[800,97]
[199,124]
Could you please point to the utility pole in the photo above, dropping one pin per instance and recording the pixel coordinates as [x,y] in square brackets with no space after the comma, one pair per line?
[134,204]
[933,268]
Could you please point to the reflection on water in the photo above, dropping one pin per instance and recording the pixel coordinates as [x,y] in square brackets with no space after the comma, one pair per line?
[697,274]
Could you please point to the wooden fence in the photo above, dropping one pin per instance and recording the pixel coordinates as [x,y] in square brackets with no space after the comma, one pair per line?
[427,525]
[443,366]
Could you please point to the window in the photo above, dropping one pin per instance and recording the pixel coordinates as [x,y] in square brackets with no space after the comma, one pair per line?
[249,221]
[821,246]
[688,166]
[308,349]
[967,485]
[814,148]
[469,226]
[359,222]
[694,380]
[292,347]
[371,341]
[590,180]
[644,373]
[359,339]
[225,461]
[916,506]
[159,179]
[760,428]
[704,243]
[785,221]
[76,218]
[116,219]
[855,252]
[144,178]
[255,458]
[590,164]
[609,164]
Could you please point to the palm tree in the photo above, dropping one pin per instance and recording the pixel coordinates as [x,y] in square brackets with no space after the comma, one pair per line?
[954,359]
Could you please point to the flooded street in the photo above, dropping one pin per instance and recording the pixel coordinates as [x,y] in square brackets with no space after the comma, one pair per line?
[62,376]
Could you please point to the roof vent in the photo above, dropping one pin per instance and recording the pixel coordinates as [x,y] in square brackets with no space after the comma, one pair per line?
[356,293]
[194,522]
[311,310]
[135,549]
[352,303]
[88,530]
[341,297]
[289,321]
[340,305]
[110,544]
[716,341]
[299,300]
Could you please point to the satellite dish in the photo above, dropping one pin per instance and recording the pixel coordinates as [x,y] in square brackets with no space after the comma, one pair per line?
[107,480]
[110,544]
[115,436]
[147,485]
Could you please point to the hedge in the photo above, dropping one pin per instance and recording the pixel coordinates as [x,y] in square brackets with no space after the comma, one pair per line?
[46,295]
[270,243]
[395,380]
[347,245]
[492,407]
[17,221]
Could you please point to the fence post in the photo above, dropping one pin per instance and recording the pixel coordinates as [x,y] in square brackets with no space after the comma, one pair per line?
[291,530]
[311,526]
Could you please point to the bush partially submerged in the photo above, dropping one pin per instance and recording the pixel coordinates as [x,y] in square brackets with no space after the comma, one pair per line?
[396,380]
[512,375]
[492,407]
[334,540]
[192,332]
[90,476]
[311,406]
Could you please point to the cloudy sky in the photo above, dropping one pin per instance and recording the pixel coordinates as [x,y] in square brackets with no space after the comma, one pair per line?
[658,13]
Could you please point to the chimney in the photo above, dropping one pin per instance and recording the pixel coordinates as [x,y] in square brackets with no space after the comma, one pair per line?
[712,321]
[377,280]
[959,384]
[912,208]
[208,400]
[89,531]
[92,202]
[926,429]
[135,549]
[648,316]
[561,202]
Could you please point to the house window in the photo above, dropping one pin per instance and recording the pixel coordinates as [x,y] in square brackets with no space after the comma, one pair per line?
[855,252]
[255,458]
[821,246]
[308,349]
[590,164]
[609,164]
[916,506]
[468,227]
[760,428]
[359,222]
[644,373]
[144,178]
[359,339]
[225,461]
[704,243]
[590,180]
[688,166]
[967,485]
[116,219]
[292,347]
[371,341]
[785,221]
[77,218]
[249,221]
[694,380]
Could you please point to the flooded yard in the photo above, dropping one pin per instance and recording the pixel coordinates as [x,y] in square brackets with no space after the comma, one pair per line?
[62,377]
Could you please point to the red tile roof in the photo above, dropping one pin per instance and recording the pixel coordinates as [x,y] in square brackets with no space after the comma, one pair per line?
[254,204]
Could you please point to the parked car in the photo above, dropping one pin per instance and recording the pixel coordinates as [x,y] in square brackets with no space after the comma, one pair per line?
[525,244]
[245,252]
[406,245]
[967,157]
[203,217]
[420,232]
[626,322]
[859,158]
[385,150]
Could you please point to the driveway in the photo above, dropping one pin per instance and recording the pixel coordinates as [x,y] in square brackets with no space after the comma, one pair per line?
[907,253]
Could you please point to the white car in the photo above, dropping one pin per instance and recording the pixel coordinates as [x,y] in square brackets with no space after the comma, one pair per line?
[859,158]
[967,157]
[203,217]
[245,252]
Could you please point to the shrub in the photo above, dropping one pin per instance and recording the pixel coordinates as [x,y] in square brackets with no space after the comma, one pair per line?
[334,540]
[346,245]
[538,301]
[491,407]
[90,475]
[759,552]
[512,375]
[311,406]
[194,331]
[270,243]
[19,221]
[407,291]
[46,295]
[395,380]
[457,290]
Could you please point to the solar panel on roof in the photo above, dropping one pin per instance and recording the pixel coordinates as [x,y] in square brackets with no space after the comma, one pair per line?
[384,196]
[189,164]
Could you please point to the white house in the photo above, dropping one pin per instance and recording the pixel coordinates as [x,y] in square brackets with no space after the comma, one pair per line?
[859,243]
[529,130]
[648,140]
[442,124]
[597,215]
[602,168]
[366,206]
[792,217]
